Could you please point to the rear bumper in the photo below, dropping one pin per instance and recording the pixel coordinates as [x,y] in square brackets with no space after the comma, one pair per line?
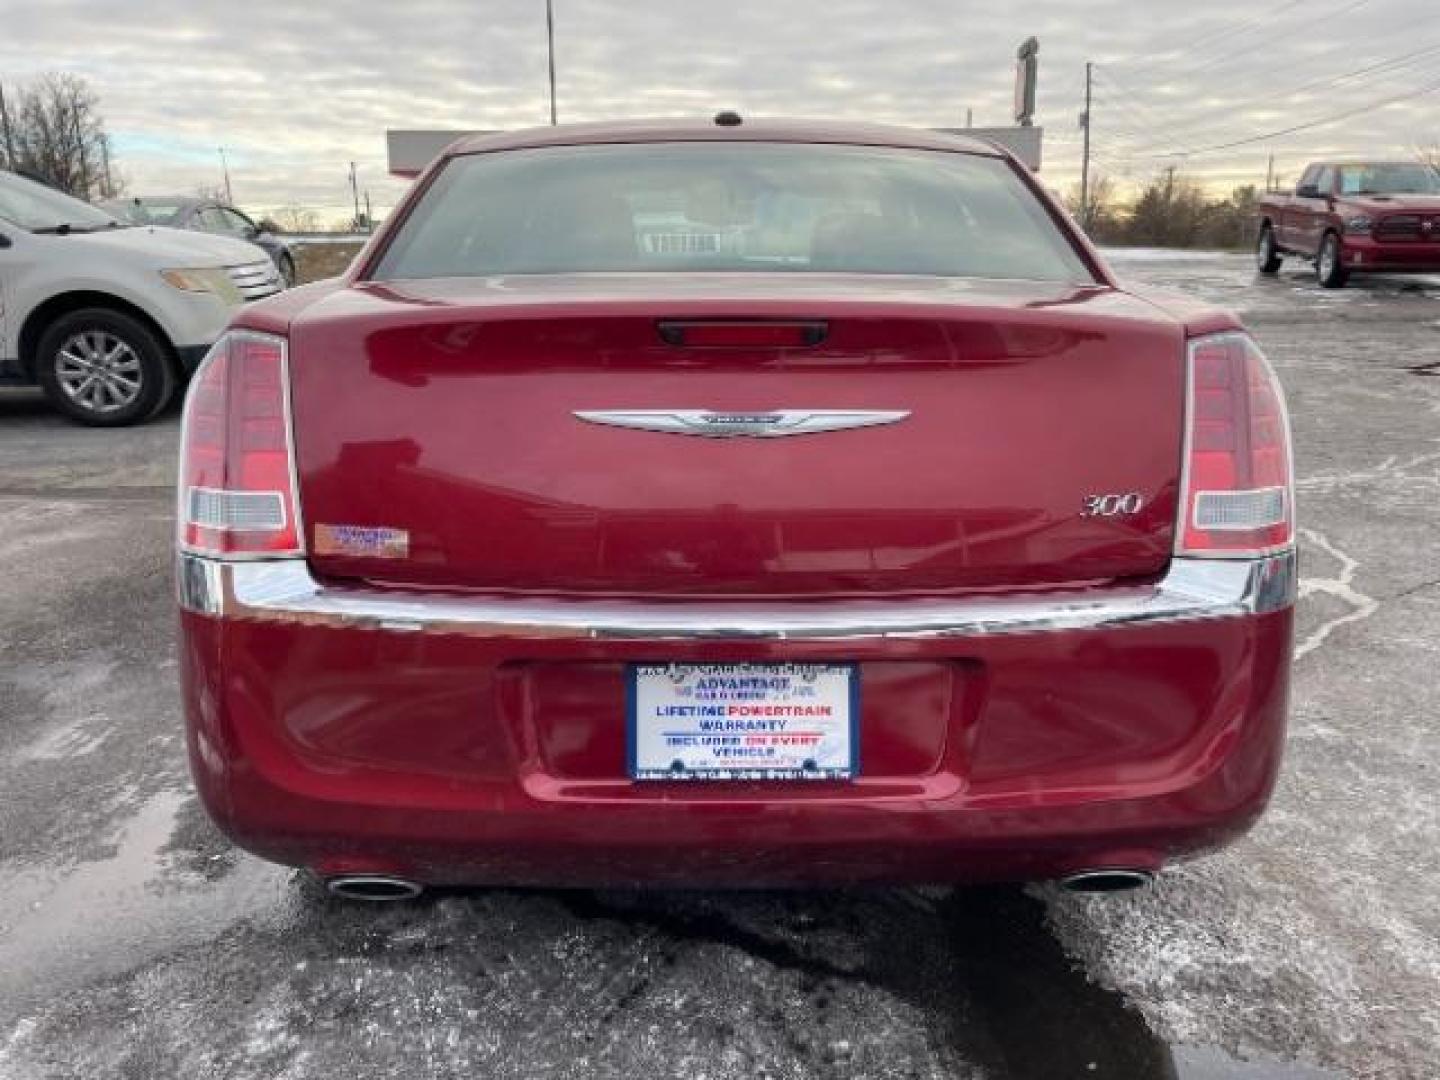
[1363,253]
[460,740]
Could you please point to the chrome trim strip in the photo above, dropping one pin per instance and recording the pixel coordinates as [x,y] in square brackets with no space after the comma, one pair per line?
[283,590]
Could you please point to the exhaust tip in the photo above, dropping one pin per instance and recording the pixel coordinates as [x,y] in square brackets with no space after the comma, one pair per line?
[375,887]
[1109,880]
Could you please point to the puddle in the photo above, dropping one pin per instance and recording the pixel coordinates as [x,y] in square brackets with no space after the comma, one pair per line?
[967,980]
[83,923]
[1045,1016]
[1050,1020]
[982,962]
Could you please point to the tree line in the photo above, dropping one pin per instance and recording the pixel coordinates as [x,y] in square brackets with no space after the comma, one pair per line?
[1170,210]
[51,131]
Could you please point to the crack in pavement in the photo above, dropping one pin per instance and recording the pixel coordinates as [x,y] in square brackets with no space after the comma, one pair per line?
[1391,470]
[1413,589]
[1341,587]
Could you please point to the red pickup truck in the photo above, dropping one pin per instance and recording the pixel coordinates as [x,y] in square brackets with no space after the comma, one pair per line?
[1355,218]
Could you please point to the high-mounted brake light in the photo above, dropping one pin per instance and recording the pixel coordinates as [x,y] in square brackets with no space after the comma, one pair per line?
[237,462]
[741,334]
[1237,494]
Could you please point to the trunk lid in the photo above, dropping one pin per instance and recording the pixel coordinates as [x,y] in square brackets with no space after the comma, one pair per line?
[444,416]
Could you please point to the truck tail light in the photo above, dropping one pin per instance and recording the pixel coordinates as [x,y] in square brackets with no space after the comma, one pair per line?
[237,460]
[1237,491]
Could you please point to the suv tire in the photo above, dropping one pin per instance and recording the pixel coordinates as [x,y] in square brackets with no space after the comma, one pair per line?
[103,367]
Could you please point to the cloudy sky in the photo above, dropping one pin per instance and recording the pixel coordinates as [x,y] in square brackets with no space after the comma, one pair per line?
[296,90]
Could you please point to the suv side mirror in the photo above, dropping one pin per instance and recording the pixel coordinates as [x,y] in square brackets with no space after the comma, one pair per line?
[1307,191]
[252,232]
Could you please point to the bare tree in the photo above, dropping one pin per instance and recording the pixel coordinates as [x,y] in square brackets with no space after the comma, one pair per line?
[212,193]
[295,219]
[1102,216]
[52,130]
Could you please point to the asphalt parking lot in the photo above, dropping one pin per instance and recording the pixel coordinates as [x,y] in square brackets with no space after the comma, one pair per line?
[135,943]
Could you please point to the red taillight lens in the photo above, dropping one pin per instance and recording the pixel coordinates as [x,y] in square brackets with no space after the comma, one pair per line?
[237,475]
[1238,495]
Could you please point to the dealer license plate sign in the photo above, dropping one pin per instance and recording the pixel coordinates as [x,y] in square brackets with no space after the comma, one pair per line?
[743,721]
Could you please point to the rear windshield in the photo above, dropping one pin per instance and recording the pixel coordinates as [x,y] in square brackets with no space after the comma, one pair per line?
[730,207]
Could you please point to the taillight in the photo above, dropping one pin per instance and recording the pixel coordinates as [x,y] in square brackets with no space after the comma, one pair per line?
[1238,490]
[237,469]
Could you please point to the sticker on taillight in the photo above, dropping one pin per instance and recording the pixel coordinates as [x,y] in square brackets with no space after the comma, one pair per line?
[362,541]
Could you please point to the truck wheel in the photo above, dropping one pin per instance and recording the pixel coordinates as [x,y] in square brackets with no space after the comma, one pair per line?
[1267,256]
[1329,271]
[103,367]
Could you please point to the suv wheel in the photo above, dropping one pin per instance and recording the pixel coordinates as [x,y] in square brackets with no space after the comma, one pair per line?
[1267,258]
[103,367]
[1329,270]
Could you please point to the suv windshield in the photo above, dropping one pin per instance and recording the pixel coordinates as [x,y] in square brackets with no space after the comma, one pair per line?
[38,208]
[1398,179]
[730,207]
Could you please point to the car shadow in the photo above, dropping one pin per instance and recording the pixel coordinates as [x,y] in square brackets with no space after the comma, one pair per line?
[980,964]
[23,402]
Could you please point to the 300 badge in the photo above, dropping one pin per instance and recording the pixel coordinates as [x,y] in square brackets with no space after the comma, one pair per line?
[1117,505]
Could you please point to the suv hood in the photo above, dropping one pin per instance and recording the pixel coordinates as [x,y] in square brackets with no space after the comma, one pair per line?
[170,247]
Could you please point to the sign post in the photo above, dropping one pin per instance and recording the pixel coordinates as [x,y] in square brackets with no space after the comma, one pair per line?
[1027,68]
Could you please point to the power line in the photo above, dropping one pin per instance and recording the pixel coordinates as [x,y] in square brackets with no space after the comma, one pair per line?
[1225,60]
[1385,66]
[1123,87]
[1221,62]
[1307,126]
[1402,61]
[1343,51]
[1205,40]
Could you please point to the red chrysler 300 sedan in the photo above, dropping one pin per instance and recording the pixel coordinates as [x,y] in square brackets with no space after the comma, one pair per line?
[715,503]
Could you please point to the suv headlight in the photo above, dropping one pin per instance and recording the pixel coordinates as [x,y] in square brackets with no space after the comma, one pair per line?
[211,279]
[1358,225]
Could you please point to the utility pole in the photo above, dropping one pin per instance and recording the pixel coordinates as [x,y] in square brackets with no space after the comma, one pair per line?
[969,118]
[81,158]
[225,171]
[10,160]
[355,194]
[1270,174]
[1085,152]
[550,44]
[369,216]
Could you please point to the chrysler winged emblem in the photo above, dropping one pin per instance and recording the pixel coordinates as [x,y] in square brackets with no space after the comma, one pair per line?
[764,424]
